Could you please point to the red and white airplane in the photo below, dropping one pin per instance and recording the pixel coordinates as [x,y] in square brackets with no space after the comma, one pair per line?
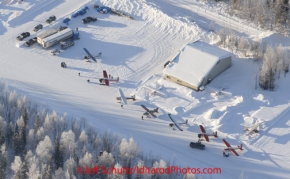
[205,135]
[232,149]
[122,99]
[105,80]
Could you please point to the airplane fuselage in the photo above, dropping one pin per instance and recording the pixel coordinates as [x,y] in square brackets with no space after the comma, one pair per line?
[119,98]
[203,134]
[230,148]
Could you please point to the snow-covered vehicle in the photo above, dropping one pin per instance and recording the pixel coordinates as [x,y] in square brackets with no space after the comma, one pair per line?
[54,51]
[66,20]
[63,64]
[23,36]
[89,19]
[38,27]
[31,42]
[50,19]
[61,28]
[197,145]
[67,44]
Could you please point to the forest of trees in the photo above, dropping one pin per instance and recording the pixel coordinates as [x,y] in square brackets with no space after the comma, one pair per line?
[36,143]
[274,59]
[267,14]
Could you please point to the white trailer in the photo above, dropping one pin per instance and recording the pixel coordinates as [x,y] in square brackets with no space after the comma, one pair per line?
[45,34]
[56,38]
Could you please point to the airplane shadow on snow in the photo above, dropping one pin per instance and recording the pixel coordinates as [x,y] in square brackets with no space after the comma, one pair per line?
[112,53]
[106,23]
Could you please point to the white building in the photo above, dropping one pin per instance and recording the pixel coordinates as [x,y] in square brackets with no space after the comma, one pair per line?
[197,64]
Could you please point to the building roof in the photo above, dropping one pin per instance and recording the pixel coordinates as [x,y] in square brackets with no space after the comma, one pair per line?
[47,33]
[194,62]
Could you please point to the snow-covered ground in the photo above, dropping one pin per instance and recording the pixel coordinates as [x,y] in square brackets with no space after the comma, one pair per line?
[136,50]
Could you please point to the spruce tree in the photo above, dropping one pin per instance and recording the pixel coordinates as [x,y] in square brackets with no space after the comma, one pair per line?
[36,124]
[58,155]
[9,134]
[24,170]
[24,137]
[48,172]
[16,141]
[2,139]
[25,116]
[3,164]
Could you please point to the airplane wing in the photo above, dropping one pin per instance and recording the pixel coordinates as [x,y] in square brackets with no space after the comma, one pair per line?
[202,129]
[89,54]
[105,78]
[233,150]
[252,128]
[206,137]
[151,113]
[148,111]
[226,143]
[123,98]
[176,124]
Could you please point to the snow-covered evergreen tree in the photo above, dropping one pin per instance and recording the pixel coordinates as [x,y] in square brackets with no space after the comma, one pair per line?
[67,142]
[16,167]
[44,150]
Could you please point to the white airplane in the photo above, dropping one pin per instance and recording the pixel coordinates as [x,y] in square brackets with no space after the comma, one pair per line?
[148,112]
[122,99]
[218,92]
[252,129]
[205,135]
[232,149]
[176,123]
[153,91]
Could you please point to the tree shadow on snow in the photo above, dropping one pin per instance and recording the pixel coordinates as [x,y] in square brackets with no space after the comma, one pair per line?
[31,13]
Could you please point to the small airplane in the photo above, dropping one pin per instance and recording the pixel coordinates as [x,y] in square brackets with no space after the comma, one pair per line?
[149,112]
[176,123]
[153,91]
[105,80]
[252,129]
[204,134]
[90,56]
[122,99]
[233,150]
[218,92]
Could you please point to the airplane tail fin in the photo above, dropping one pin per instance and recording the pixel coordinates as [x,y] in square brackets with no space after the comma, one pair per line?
[186,122]
[215,134]
[117,79]
[156,110]
[240,147]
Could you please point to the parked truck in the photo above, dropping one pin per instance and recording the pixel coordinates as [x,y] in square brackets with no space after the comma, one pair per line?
[56,38]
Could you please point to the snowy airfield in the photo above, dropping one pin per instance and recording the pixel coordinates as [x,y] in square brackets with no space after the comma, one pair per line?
[136,50]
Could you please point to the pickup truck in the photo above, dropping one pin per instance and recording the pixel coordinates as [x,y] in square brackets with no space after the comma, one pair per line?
[23,36]
[50,19]
[89,19]
[31,42]
[38,27]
